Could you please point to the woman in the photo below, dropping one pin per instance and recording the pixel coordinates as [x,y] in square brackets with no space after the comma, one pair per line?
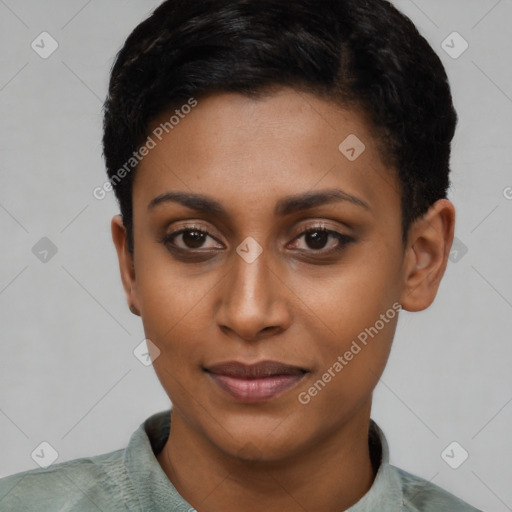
[281,169]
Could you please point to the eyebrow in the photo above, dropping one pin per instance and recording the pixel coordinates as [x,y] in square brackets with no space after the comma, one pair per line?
[285,205]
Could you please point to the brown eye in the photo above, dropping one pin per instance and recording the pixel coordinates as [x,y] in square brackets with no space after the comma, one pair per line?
[317,239]
[190,239]
[193,239]
[321,241]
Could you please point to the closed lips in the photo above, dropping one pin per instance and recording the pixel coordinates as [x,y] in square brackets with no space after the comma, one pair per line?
[261,370]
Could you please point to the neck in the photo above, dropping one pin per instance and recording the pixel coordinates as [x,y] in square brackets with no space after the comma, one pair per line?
[330,475]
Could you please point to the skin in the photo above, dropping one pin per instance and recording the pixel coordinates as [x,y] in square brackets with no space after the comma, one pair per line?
[293,304]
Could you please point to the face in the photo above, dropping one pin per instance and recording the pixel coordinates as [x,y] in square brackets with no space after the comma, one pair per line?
[279,247]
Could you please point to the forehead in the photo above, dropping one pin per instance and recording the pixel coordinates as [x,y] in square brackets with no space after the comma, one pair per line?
[248,152]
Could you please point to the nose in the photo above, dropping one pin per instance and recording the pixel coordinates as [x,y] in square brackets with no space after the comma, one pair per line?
[253,304]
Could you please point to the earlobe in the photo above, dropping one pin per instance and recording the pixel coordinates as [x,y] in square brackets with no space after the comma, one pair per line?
[427,251]
[126,265]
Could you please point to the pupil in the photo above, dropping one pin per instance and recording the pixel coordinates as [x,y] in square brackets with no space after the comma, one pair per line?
[318,239]
[193,239]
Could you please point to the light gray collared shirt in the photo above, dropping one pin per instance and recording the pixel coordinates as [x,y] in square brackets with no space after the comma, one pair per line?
[132,480]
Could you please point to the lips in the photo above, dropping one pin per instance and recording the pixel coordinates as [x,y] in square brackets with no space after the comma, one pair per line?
[254,371]
[255,382]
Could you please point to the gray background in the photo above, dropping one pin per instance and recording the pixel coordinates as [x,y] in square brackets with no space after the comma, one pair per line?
[67,372]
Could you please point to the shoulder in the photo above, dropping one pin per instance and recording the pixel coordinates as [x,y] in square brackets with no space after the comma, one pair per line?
[89,483]
[420,495]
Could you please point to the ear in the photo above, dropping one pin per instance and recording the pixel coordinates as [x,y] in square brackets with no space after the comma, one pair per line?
[426,255]
[126,266]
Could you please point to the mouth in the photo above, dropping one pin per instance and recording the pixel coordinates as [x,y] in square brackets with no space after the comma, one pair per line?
[251,383]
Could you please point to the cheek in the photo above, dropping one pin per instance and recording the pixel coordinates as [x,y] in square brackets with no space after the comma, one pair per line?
[175,318]
[168,293]
[179,333]
[174,314]
[351,297]
[351,367]
[354,314]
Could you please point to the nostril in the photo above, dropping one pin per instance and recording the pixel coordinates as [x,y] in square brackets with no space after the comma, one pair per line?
[271,328]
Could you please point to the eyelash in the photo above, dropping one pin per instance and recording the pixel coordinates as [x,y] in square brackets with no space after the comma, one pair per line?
[343,240]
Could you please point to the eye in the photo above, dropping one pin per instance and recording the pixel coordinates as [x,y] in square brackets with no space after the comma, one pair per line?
[190,239]
[319,239]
